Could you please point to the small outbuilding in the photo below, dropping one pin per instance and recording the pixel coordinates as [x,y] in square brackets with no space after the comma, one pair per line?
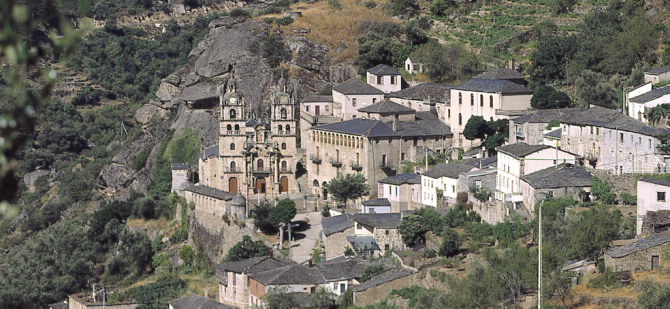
[643,254]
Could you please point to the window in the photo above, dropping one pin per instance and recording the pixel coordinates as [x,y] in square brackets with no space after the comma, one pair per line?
[307,108]
[283,113]
[259,165]
[288,129]
[233,166]
[386,247]
[387,232]
[233,114]
[481,100]
[460,98]
[279,128]
[491,101]
[660,196]
[237,128]
[383,160]
[380,80]
[448,113]
[621,137]
[229,128]
[472,99]
[353,102]
[283,146]
[460,119]
[393,80]
[374,100]
[402,156]
[232,146]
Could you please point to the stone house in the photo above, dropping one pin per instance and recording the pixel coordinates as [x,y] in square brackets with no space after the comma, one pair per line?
[351,95]
[212,204]
[424,97]
[371,291]
[564,180]
[638,106]
[439,184]
[402,191]
[181,177]
[334,234]
[375,234]
[376,206]
[486,95]
[519,159]
[657,75]
[254,157]
[193,301]
[85,301]
[384,78]
[414,65]
[643,254]
[297,279]
[233,278]
[653,199]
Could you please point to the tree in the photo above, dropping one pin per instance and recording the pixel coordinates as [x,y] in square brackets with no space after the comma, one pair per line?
[476,128]
[563,6]
[549,60]
[346,187]
[247,249]
[654,295]
[451,242]
[374,49]
[593,88]
[492,133]
[546,97]
[284,212]
[413,33]
[323,299]
[413,230]
[603,191]
[280,298]
[261,216]
[594,231]
[439,7]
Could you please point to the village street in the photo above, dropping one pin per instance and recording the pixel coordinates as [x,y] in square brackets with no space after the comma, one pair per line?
[302,246]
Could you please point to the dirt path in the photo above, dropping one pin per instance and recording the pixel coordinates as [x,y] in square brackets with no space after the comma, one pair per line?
[305,241]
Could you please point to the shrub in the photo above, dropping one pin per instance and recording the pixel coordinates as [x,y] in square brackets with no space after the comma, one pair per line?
[237,12]
[451,242]
[628,199]
[140,160]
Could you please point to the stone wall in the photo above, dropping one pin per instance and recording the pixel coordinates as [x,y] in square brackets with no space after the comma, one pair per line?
[619,183]
[390,237]
[336,243]
[638,261]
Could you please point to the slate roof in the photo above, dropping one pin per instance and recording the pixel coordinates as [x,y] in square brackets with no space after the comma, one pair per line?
[377,202]
[594,116]
[356,86]
[651,95]
[331,225]
[291,274]
[387,106]
[424,92]
[257,264]
[554,134]
[212,151]
[520,150]
[567,175]
[383,69]
[358,126]
[382,221]
[660,70]
[211,192]
[639,245]
[343,269]
[493,86]
[501,73]
[479,162]
[181,166]
[383,278]
[409,178]
[426,124]
[656,181]
[450,170]
[363,242]
[318,98]
[193,301]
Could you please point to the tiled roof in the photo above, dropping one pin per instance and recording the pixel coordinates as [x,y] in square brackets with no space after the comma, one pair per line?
[343,269]
[554,134]
[660,70]
[652,95]
[377,202]
[383,69]
[291,274]
[387,106]
[181,166]
[212,151]
[656,181]
[383,278]
[211,192]
[493,86]
[424,92]
[193,301]
[639,245]
[520,150]
[501,73]
[400,179]
[318,98]
[337,224]
[450,170]
[426,124]
[382,221]
[363,127]
[356,86]
[566,175]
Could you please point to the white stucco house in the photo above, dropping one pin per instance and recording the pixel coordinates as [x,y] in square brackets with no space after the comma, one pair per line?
[351,95]
[653,197]
[384,78]
[641,99]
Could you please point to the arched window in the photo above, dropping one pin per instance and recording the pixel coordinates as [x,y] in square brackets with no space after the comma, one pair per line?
[460,98]
[283,146]
[490,101]
[315,183]
[280,127]
[481,100]
[232,146]
[237,127]
[259,164]
[460,119]
[472,99]
[233,166]
[284,166]
[233,114]
[288,129]
[229,127]
[283,113]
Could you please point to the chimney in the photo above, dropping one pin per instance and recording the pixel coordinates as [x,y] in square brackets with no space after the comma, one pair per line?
[394,119]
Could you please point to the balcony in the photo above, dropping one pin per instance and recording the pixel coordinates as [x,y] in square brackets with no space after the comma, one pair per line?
[236,132]
[335,162]
[315,158]
[285,170]
[356,166]
[233,170]
[262,171]
[385,165]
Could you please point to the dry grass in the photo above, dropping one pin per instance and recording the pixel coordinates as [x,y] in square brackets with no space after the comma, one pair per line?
[338,29]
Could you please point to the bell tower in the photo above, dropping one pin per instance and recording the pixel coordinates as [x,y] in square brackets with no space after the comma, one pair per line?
[232,137]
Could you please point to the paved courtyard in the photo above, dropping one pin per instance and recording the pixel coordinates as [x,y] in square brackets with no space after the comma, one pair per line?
[305,241]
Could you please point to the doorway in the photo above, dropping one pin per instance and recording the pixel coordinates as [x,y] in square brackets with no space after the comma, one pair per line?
[232,185]
[260,185]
